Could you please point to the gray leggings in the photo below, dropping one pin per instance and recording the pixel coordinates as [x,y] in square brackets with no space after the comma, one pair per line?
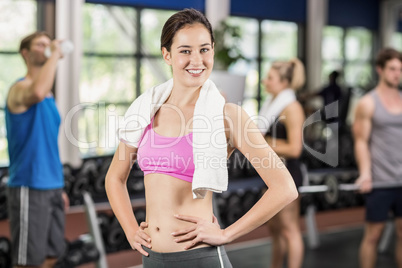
[208,257]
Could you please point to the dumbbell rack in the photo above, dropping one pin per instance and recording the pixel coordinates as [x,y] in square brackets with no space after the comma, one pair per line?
[90,208]
[241,181]
[79,209]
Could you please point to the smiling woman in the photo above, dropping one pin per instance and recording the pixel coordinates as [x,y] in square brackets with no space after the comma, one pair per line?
[175,131]
[188,48]
[192,55]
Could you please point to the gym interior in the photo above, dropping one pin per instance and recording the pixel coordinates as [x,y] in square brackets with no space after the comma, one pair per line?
[117,57]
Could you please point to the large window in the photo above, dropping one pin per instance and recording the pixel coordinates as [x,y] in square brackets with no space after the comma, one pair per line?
[348,50]
[263,42]
[153,68]
[18,19]
[249,66]
[121,60]
[397,41]
[332,51]
[279,43]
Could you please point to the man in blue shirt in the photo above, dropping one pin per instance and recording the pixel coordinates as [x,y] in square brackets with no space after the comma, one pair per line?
[35,187]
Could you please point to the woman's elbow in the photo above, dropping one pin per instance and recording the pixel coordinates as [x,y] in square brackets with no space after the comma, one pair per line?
[291,191]
[111,181]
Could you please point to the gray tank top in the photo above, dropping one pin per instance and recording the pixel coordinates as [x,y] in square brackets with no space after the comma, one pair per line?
[385,144]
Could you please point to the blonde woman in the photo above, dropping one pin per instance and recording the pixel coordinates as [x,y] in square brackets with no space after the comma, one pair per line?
[282,120]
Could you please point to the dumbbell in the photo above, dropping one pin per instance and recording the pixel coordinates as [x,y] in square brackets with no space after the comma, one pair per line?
[99,184]
[305,201]
[249,199]
[90,252]
[78,252]
[136,170]
[3,194]
[140,215]
[82,181]
[135,181]
[68,178]
[69,258]
[3,202]
[89,173]
[74,256]
[104,224]
[346,153]
[115,236]
[234,209]
[5,252]
[221,203]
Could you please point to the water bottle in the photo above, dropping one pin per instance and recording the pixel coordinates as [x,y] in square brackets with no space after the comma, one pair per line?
[66,47]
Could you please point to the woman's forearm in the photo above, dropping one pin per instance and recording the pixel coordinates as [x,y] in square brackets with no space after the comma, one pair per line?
[283,148]
[120,202]
[274,200]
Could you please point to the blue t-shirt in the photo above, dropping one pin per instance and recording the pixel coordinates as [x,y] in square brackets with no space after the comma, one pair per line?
[33,148]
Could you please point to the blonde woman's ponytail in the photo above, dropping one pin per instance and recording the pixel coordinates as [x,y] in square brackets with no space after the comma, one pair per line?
[298,76]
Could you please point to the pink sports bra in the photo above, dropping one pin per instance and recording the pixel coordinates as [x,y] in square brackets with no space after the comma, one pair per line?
[166,155]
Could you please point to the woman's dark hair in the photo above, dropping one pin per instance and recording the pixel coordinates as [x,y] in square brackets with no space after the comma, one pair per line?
[178,21]
[385,55]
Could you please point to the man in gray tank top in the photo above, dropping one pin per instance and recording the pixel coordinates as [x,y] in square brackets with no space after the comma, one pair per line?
[377,131]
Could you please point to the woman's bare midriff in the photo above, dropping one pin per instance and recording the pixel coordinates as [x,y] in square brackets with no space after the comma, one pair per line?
[166,196]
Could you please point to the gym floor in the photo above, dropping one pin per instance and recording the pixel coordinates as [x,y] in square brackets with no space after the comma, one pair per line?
[340,235]
[338,249]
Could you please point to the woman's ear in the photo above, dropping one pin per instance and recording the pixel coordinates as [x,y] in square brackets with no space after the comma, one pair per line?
[166,56]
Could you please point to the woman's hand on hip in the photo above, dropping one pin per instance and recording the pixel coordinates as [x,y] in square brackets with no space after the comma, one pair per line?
[202,231]
[141,238]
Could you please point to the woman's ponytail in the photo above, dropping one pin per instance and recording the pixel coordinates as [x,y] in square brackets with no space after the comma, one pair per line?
[298,76]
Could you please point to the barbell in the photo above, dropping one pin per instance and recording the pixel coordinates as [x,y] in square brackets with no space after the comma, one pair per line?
[331,188]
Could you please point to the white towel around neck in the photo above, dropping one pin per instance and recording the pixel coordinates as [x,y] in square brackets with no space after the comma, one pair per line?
[272,108]
[209,139]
